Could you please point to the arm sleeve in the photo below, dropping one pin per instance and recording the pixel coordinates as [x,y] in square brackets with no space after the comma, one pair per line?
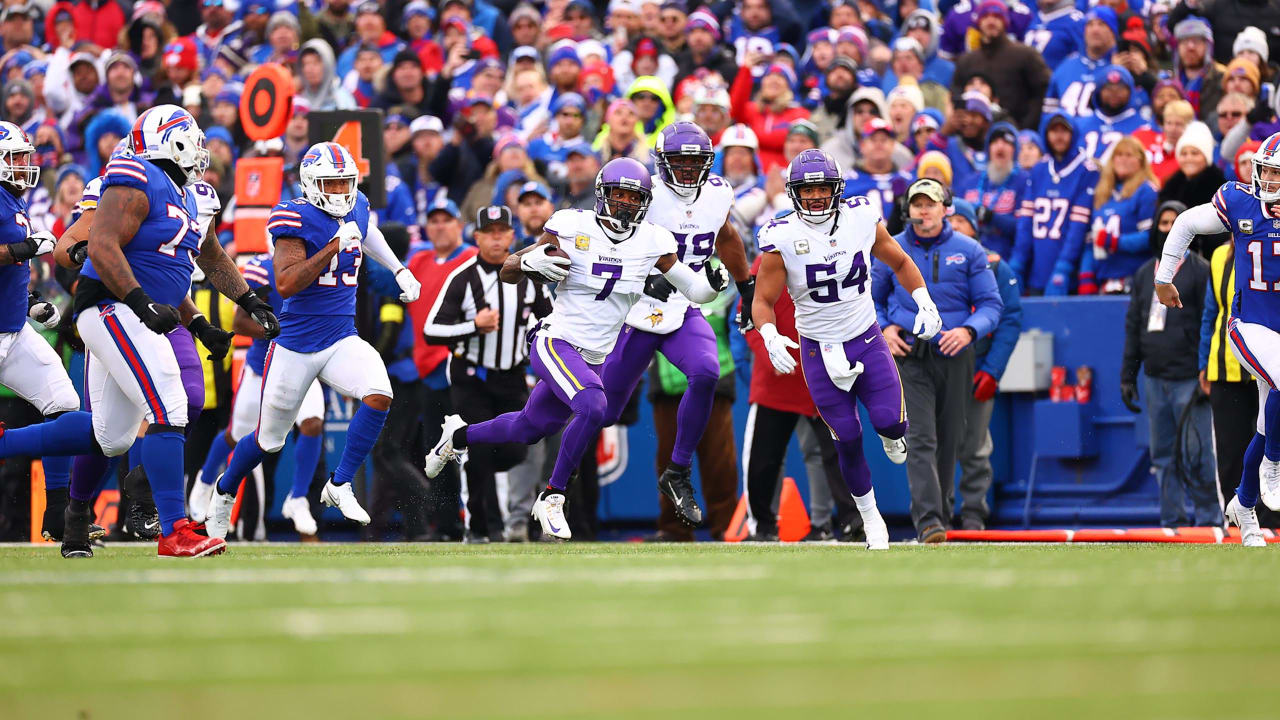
[375,245]
[1205,219]
[1007,331]
[445,324]
[1207,321]
[1051,96]
[740,96]
[1139,240]
[691,284]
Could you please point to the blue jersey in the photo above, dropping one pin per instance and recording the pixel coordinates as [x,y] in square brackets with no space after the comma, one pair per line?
[162,253]
[1057,34]
[324,312]
[1004,201]
[14,278]
[259,272]
[880,188]
[1057,205]
[1072,84]
[1098,133]
[1256,234]
[1124,224]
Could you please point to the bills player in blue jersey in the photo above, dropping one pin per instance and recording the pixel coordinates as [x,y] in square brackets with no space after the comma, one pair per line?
[320,240]
[141,250]
[260,274]
[28,365]
[1251,213]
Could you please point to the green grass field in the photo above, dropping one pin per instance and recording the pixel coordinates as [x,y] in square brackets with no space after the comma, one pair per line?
[642,631]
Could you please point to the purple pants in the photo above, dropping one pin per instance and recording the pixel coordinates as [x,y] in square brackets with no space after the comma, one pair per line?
[879,389]
[692,349]
[184,349]
[569,391]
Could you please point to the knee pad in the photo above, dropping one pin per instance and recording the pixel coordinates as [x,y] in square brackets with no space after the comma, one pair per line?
[590,404]
[895,431]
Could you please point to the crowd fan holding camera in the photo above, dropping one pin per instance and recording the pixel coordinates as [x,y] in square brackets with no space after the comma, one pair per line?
[1063,138]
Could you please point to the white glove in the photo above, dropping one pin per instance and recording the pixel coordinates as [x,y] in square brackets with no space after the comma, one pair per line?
[779,347]
[408,284]
[717,276]
[349,236]
[45,313]
[928,321]
[539,262]
[44,241]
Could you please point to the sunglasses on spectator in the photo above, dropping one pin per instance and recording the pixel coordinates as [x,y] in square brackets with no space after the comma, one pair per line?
[212,3]
[1230,113]
[646,96]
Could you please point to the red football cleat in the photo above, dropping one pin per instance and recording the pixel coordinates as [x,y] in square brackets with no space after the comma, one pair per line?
[183,542]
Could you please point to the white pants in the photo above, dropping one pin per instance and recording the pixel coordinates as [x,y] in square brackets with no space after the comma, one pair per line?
[31,369]
[244,413]
[132,375]
[351,366]
[1257,347]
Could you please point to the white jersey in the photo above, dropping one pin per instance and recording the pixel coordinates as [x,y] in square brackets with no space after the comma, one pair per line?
[828,270]
[604,280]
[694,223]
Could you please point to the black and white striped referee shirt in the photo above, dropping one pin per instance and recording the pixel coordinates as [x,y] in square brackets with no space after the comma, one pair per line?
[474,286]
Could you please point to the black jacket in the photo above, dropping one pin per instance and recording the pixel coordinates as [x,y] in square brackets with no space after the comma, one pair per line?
[1171,354]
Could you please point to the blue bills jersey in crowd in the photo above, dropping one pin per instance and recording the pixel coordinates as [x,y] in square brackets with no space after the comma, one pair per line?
[1003,200]
[1053,221]
[881,189]
[1072,84]
[14,227]
[162,253]
[259,272]
[1056,34]
[324,312]
[1126,224]
[1256,234]
[1098,133]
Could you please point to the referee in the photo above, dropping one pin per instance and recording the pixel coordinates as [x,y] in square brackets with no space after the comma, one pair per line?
[484,321]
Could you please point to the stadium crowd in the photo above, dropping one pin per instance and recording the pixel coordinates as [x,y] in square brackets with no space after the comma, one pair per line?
[1066,136]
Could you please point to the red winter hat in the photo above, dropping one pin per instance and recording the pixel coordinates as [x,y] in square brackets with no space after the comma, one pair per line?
[181,53]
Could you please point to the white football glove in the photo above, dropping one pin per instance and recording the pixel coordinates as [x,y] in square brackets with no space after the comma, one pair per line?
[409,285]
[928,321]
[45,313]
[539,262]
[717,276]
[349,236]
[44,241]
[779,347]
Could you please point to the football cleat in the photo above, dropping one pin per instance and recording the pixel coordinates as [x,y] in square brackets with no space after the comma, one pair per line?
[343,498]
[199,499]
[549,511]
[676,486]
[1247,520]
[184,542]
[75,533]
[1269,485]
[142,517]
[896,450]
[444,451]
[298,510]
[218,520]
[877,532]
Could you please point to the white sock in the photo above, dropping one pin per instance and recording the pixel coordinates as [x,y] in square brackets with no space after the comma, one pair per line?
[866,503]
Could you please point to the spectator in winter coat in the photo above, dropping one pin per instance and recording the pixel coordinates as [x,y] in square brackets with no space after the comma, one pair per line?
[703,48]
[1122,213]
[963,137]
[1056,207]
[1018,74]
[1227,19]
[1114,113]
[318,82]
[770,115]
[996,193]
[1194,67]
[1073,82]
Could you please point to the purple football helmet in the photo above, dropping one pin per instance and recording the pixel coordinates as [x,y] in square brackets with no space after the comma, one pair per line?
[623,174]
[815,167]
[688,141]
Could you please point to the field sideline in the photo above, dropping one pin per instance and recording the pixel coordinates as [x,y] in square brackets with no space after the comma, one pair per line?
[642,631]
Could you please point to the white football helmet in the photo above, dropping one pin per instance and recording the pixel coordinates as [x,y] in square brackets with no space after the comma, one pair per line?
[16,150]
[1267,156]
[168,132]
[323,163]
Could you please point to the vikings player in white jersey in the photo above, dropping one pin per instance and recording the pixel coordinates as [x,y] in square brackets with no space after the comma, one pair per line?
[694,205]
[822,253]
[602,263]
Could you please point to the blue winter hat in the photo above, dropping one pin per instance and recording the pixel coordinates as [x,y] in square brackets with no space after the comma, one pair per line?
[71,169]
[1031,136]
[1107,15]
[570,99]
[565,52]
[965,209]
[217,132]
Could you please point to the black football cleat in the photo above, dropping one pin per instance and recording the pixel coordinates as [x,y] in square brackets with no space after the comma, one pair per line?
[75,533]
[143,520]
[675,484]
[55,504]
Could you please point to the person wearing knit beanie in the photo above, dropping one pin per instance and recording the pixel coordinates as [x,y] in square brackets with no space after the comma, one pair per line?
[1242,76]
[1252,39]
[1197,136]
[936,165]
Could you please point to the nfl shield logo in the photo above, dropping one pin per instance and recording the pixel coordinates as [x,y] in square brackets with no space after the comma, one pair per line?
[254,183]
[1275,224]
[1246,226]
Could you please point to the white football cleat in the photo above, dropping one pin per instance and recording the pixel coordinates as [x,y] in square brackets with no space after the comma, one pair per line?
[218,520]
[1247,520]
[877,532]
[344,498]
[298,510]
[896,450]
[1269,485]
[198,501]
[443,452]
[549,510]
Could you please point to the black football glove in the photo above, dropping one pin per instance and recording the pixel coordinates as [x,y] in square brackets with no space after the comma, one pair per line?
[717,276]
[747,289]
[217,340]
[1129,396]
[79,252]
[261,313]
[658,287]
[160,319]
